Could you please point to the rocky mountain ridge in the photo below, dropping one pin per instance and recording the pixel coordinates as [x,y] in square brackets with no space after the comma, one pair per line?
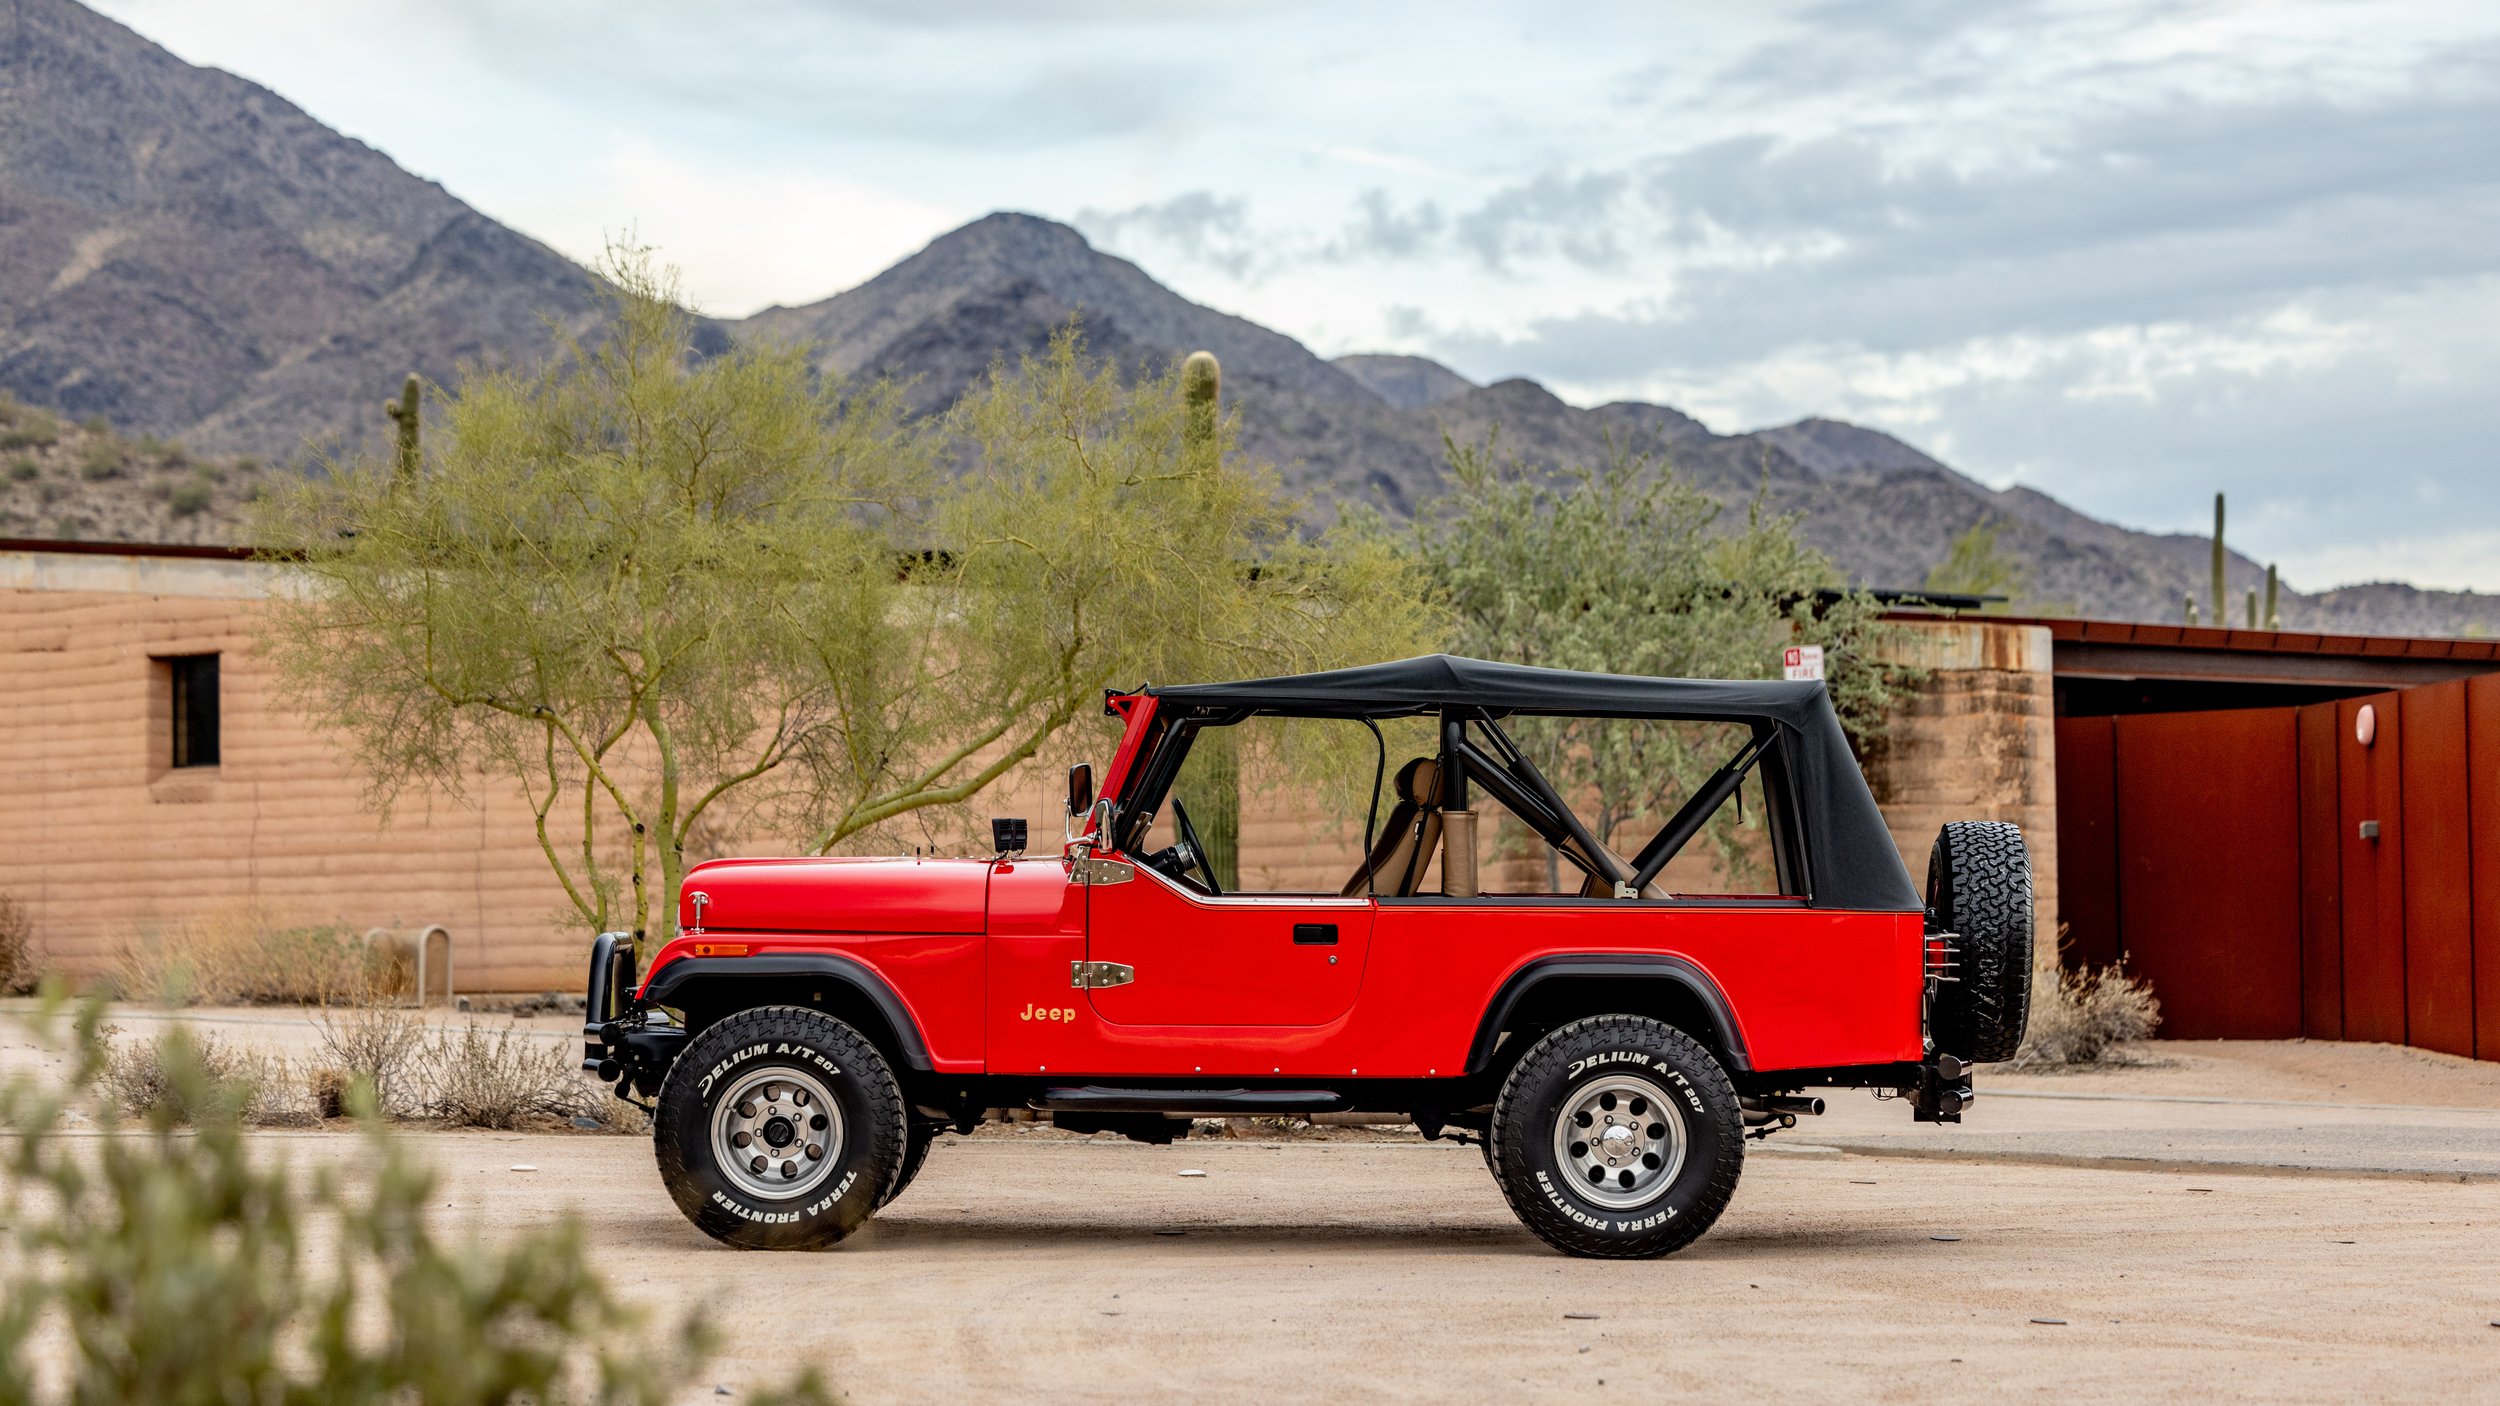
[193,259]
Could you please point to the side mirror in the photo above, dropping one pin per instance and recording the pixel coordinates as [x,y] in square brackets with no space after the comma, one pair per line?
[1080,788]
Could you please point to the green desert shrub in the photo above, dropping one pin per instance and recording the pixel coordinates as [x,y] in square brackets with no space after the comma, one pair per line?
[24,468]
[190,497]
[102,459]
[164,1266]
[31,429]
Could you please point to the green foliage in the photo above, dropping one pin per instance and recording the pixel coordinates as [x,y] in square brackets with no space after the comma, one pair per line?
[407,449]
[1625,568]
[102,458]
[1214,797]
[31,429]
[96,425]
[190,497]
[184,1269]
[1973,566]
[672,594]
[23,469]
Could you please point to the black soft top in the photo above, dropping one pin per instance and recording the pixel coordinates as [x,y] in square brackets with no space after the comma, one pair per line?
[1848,849]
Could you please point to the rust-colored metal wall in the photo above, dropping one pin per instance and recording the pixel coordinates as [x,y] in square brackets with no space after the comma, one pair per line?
[2438,865]
[2321,882]
[2482,806]
[2272,873]
[2087,841]
[2369,779]
[2207,808]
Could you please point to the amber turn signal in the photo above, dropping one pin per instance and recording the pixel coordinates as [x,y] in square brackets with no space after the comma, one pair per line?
[723,949]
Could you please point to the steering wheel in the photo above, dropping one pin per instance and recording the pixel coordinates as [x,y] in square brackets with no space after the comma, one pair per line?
[1193,850]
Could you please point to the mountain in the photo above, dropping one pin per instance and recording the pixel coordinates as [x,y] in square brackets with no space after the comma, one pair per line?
[1369,428]
[1002,285]
[1407,382]
[191,256]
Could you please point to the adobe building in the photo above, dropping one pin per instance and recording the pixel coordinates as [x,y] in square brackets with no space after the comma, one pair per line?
[2279,830]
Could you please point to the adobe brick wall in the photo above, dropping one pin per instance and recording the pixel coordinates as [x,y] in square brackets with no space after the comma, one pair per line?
[1977,741]
[102,841]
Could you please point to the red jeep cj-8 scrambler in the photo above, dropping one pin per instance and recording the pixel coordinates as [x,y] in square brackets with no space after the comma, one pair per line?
[819,1021]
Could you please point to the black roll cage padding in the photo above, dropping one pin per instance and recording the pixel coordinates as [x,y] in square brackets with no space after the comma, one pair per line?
[672,979]
[1513,793]
[1675,970]
[1696,811]
[1371,818]
[1561,822]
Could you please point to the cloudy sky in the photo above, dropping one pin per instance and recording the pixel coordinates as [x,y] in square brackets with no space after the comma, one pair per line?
[2127,251]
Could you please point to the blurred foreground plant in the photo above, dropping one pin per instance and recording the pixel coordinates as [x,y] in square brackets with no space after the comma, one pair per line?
[177,1268]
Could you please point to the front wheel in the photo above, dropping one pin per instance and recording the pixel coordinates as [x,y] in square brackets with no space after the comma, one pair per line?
[1617,1137]
[779,1129]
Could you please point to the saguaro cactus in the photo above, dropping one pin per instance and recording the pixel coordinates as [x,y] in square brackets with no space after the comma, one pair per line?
[1216,758]
[2274,620]
[2191,607]
[408,456]
[2222,615]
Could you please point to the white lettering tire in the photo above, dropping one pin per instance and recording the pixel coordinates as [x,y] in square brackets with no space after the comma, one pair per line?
[779,1129]
[1617,1137]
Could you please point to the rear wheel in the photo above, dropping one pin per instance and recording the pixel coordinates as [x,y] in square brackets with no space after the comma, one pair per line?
[779,1128]
[1979,886]
[1617,1137]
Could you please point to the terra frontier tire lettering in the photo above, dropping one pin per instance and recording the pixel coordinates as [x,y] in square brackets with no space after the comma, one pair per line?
[1617,1137]
[779,1128]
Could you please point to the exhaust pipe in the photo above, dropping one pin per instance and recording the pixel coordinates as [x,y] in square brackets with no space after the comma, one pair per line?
[1762,1110]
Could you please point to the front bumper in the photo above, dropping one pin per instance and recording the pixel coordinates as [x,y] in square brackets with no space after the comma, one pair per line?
[624,1042]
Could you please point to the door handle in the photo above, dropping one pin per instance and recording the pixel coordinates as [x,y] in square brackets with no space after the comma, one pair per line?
[1315,934]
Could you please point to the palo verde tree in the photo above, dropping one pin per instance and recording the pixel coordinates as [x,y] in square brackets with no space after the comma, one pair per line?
[677,597]
[1622,567]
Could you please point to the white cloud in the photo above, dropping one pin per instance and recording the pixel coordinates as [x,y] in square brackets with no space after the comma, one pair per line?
[743,239]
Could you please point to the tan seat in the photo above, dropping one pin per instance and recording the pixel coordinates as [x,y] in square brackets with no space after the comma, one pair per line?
[1396,865]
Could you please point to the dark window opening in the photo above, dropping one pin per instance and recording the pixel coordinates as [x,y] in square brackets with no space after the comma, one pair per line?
[195,709]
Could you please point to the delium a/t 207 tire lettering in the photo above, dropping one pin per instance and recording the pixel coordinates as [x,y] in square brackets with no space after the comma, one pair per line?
[1618,1137]
[779,1129]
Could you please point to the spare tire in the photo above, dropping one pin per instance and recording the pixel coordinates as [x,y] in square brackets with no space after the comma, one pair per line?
[1979,886]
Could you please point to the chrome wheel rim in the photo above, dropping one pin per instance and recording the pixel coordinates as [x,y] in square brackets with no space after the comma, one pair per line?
[1619,1141]
[777,1134]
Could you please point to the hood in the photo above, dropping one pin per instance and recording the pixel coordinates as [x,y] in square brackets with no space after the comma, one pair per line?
[838,895]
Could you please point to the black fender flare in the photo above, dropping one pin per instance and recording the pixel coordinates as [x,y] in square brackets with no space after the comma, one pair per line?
[679,975]
[1674,971]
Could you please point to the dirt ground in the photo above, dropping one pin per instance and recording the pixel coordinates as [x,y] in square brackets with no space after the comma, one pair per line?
[1038,1267]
